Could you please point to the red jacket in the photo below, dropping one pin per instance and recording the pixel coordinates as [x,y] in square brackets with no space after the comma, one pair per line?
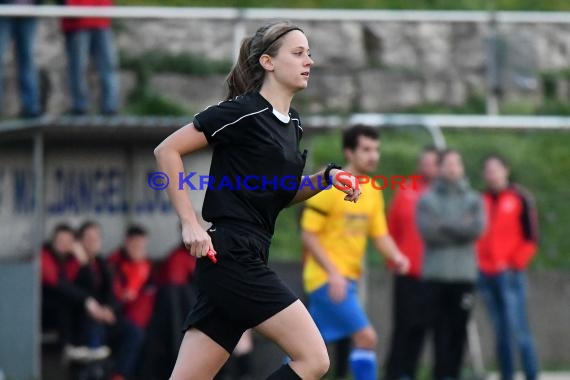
[402,224]
[72,24]
[510,238]
[132,287]
[55,268]
[178,267]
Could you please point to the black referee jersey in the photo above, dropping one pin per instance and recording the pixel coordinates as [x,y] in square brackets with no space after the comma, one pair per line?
[256,166]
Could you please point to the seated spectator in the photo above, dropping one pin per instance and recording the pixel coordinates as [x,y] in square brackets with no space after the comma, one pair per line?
[132,285]
[177,268]
[23,31]
[87,37]
[59,268]
[89,339]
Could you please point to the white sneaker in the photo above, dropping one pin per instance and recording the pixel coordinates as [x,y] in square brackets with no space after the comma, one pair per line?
[75,353]
[99,353]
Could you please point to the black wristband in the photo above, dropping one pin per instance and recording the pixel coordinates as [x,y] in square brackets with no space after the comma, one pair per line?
[327,172]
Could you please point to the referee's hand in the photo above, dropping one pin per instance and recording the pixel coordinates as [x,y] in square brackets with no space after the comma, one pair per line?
[196,239]
[347,183]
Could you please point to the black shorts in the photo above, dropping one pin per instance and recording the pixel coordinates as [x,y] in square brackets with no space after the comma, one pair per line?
[240,291]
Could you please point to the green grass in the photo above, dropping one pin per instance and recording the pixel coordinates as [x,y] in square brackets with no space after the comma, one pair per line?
[181,63]
[539,161]
[369,4]
[148,103]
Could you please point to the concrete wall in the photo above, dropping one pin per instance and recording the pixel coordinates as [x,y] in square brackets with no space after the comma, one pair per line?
[360,66]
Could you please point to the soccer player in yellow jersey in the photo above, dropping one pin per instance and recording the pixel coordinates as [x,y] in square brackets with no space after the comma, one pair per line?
[334,235]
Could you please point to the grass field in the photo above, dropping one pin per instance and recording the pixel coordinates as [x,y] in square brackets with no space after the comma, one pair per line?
[540,160]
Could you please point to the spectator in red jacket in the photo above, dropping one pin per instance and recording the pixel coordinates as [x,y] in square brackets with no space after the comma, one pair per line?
[177,268]
[408,319]
[504,251]
[59,268]
[87,37]
[135,293]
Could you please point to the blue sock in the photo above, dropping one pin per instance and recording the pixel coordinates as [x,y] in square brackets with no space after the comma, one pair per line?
[363,364]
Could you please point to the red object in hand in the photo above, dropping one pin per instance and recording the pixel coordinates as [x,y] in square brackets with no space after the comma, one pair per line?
[212,256]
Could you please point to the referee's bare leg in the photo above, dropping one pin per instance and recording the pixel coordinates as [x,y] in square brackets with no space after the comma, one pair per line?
[293,329]
[199,357]
[295,332]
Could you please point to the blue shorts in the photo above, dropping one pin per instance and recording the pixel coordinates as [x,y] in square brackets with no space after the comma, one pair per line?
[337,320]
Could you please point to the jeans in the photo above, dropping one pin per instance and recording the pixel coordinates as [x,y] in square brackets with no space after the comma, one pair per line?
[22,31]
[97,43]
[95,333]
[131,341]
[505,297]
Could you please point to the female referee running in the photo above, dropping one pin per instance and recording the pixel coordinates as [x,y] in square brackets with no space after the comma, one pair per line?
[253,132]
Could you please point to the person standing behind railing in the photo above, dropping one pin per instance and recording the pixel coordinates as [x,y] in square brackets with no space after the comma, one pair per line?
[87,37]
[22,30]
[450,218]
[408,297]
[504,251]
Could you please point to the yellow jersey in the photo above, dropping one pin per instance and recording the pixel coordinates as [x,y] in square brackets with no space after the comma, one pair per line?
[343,229]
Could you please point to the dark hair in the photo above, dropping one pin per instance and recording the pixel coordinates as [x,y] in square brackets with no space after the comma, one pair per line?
[442,155]
[351,135]
[62,227]
[247,74]
[135,230]
[85,226]
[495,156]
[429,149]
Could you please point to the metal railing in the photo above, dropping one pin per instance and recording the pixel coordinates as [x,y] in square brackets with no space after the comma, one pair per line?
[296,14]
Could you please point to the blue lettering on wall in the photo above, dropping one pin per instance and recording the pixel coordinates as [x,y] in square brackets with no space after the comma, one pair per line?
[78,191]
[23,186]
[96,190]
[152,200]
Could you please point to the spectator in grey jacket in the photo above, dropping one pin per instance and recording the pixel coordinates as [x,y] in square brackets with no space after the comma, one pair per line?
[450,218]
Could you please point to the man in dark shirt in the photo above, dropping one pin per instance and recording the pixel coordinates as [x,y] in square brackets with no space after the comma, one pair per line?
[89,344]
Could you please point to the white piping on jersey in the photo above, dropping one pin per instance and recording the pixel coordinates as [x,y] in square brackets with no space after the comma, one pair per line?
[298,123]
[233,122]
[211,105]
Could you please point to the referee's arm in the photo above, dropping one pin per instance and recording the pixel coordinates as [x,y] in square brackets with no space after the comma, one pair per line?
[169,155]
